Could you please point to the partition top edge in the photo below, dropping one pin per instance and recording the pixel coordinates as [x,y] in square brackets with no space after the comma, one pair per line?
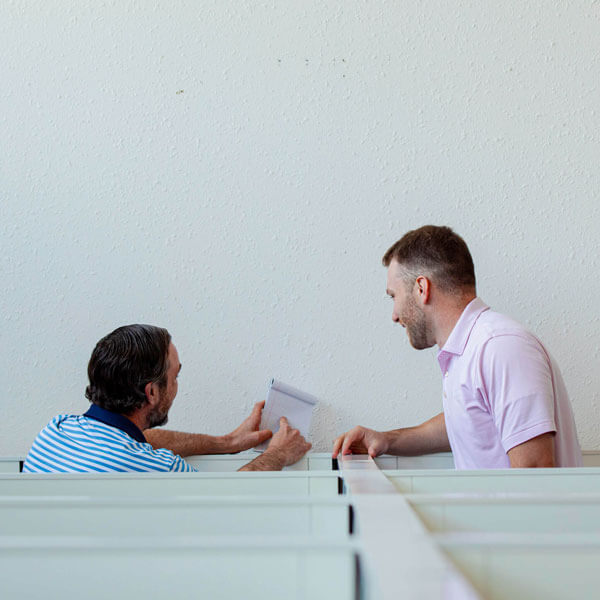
[155,475]
[179,500]
[477,498]
[521,540]
[562,471]
[178,542]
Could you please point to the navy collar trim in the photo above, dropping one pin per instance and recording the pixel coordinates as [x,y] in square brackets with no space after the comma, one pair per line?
[115,420]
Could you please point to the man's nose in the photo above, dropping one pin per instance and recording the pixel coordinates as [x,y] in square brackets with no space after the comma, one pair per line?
[395,317]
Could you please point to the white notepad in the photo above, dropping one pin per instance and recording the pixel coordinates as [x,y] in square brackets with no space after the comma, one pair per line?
[285,401]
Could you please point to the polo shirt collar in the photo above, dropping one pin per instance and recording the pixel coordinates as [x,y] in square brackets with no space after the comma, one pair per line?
[457,341]
[115,420]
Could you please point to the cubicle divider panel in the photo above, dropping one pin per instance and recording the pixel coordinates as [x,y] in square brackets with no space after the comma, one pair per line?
[534,513]
[171,484]
[497,481]
[525,566]
[327,518]
[171,567]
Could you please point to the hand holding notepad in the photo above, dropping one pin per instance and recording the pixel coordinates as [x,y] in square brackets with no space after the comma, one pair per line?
[285,401]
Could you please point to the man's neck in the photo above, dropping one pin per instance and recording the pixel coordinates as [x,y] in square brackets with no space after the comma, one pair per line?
[448,313]
[139,419]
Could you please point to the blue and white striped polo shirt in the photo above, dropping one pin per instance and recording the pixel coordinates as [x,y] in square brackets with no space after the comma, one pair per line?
[99,441]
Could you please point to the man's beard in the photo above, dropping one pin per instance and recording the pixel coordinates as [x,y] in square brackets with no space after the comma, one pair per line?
[417,327]
[158,418]
[160,415]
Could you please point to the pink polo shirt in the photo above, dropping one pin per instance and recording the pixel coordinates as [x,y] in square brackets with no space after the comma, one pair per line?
[501,388]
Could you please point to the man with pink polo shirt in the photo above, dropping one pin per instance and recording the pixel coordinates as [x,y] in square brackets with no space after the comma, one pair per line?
[505,403]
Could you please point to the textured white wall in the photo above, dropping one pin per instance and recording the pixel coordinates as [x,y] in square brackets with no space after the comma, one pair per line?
[234,170]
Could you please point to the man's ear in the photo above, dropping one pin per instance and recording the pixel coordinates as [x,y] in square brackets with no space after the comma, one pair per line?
[423,289]
[151,391]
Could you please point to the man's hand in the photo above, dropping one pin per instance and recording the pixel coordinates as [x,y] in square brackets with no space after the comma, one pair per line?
[247,435]
[288,444]
[287,447]
[361,440]
[425,438]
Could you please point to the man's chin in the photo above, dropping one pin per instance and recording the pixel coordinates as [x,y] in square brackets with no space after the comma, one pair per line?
[419,344]
[163,420]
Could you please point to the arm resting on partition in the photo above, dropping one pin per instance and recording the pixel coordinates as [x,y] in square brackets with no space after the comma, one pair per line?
[426,438]
[267,461]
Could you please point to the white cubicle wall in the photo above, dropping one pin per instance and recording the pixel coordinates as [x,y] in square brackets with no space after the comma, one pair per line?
[309,483]
[254,568]
[301,483]
[517,566]
[583,479]
[327,518]
[555,513]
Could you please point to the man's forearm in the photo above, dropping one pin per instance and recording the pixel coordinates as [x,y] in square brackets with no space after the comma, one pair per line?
[267,461]
[188,444]
[426,438]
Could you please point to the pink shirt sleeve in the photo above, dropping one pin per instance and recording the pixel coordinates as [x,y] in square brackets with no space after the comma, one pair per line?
[517,382]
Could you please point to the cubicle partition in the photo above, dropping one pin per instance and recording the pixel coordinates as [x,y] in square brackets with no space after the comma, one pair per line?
[499,481]
[547,513]
[292,483]
[362,532]
[527,566]
[324,517]
[250,567]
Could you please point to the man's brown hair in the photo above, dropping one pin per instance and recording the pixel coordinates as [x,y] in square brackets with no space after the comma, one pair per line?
[123,362]
[436,252]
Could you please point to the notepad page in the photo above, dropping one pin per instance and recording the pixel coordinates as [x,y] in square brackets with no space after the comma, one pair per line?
[285,401]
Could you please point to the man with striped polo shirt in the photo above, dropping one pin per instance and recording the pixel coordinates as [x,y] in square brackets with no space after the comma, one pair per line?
[504,400]
[133,381]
